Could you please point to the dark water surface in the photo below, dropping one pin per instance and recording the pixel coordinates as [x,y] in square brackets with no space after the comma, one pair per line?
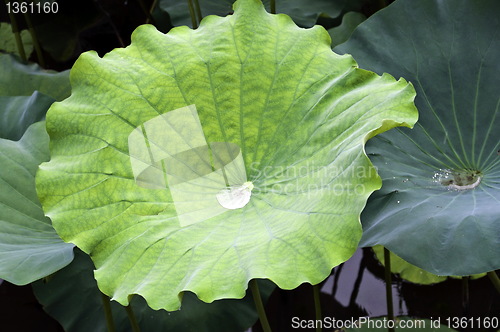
[354,289]
[357,289]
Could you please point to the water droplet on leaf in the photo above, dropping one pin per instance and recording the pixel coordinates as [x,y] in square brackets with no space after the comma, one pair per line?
[235,197]
[458,180]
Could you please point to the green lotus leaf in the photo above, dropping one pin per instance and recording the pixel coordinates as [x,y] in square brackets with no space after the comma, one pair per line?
[411,272]
[303,13]
[83,311]
[8,41]
[201,159]
[342,32]
[406,270]
[29,247]
[439,205]
[19,79]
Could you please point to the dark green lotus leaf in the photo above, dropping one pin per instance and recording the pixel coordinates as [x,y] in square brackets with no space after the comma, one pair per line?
[83,310]
[403,323]
[18,113]
[18,79]
[304,13]
[8,40]
[439,205]
[26,93]
[201,159]
[29,247]
[342,32]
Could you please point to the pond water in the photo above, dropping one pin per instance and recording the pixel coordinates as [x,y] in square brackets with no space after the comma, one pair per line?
[354,289]
[357,289]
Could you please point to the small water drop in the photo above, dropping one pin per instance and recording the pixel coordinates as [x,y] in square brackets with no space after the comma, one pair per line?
[398,202]
[235,197]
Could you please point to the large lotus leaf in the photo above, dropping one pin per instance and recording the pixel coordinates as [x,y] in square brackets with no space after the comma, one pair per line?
[302,12]
[18,79]
[439,205]
[8,40]
[29,246]
[291,119]
[83,311]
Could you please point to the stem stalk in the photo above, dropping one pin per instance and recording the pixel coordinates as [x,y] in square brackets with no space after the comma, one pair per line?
[273,6]
[17,35]
[151,10]
[36,44]
[465,296]
[317,306]
[198,10]
[388,286]
[259,306]
[131,318]
[494,279]
[107,313]
[192,14]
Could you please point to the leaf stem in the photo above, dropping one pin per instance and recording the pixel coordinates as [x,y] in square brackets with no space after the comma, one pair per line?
[192,14]
[317,306]
[382,4]
[17,36]
[259,306]
[357,282]
[150,16]
[465,296]
[131,318]
[111,23]
[107,313]
[494,279]
[198,10]
[145,10]
[36,44]
[273,6]
[388,286]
